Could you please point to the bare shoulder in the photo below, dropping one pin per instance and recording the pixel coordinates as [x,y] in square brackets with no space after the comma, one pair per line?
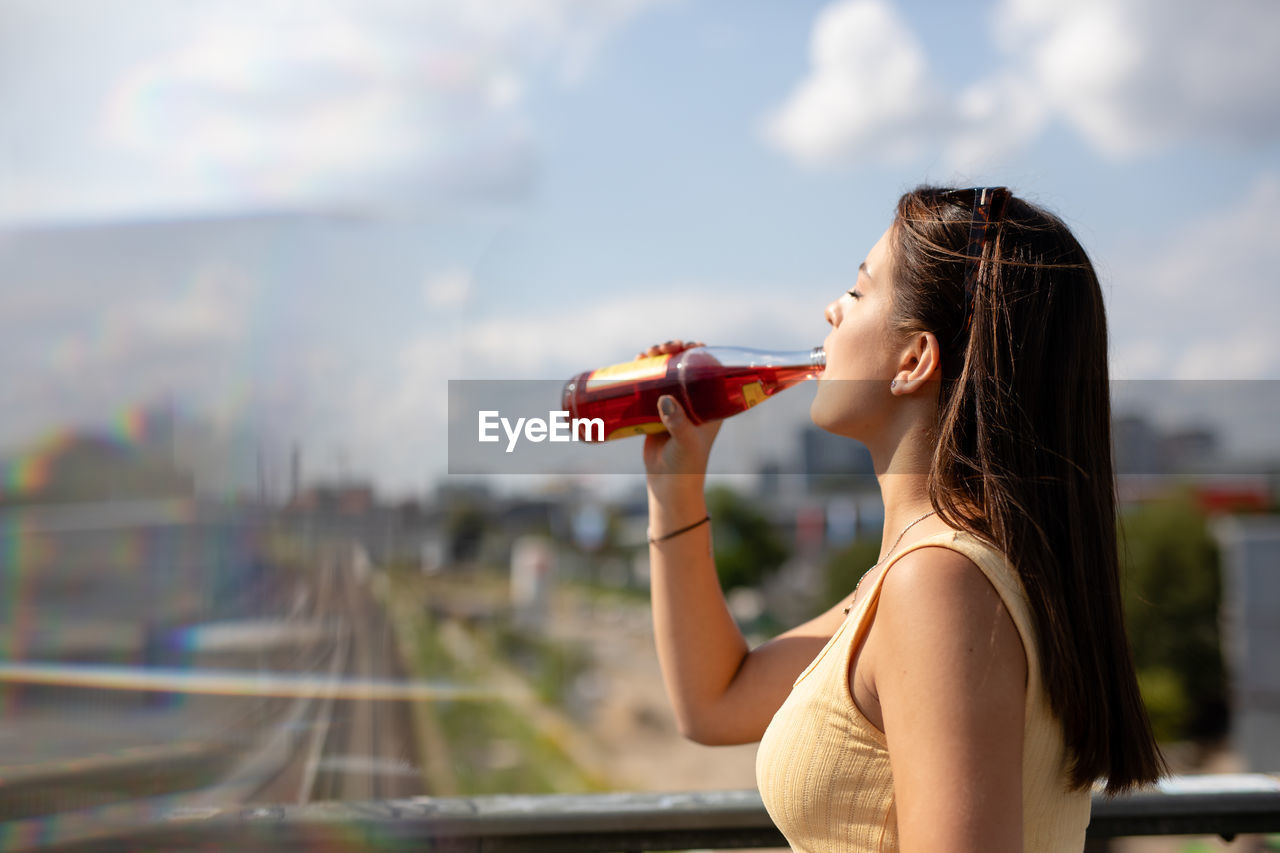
[937,602]
[950,676]
[934,576]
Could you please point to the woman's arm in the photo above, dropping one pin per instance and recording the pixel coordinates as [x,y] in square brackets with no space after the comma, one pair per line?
[721,691]
[949,672]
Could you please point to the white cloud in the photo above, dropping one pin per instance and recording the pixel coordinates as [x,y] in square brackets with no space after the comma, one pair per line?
[1137,75]
[216,107]
[212,309]
[110,343]
[869,91]
[1130,76]
[253,325]
[448,289]
[995,117]
[410,419]
[97,319]
[1205,305]
[551,345]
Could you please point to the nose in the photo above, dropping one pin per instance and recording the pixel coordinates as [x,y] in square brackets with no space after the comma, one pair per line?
[833,313]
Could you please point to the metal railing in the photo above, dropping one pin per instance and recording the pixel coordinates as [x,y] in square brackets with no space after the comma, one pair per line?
[598,823]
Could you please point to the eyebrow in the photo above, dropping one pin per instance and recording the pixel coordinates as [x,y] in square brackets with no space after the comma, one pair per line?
[862,267]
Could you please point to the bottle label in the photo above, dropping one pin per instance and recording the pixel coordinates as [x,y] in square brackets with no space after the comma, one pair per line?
[651,367]
[752,393]
[636,429]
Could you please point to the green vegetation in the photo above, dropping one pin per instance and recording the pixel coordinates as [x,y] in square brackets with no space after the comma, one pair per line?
[465,526]
[1166,699]
[496,750]
[493,745]
[551,667]
[846,566]
[747,547]
[433,658]
[607,594]
[1171,587]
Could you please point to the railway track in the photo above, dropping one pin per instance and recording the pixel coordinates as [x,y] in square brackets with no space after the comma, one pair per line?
[327,730]
[359,744]
[369,749]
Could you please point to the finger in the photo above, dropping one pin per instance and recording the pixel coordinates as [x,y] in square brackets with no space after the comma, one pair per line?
[673,416]
[657,349]
[671,347]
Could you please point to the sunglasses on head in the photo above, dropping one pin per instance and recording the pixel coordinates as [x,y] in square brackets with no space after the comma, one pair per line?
[987,208]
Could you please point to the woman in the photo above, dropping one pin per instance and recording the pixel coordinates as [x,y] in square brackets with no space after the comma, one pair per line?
[978,681]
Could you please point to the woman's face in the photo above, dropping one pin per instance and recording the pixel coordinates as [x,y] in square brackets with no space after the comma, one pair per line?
[863,354]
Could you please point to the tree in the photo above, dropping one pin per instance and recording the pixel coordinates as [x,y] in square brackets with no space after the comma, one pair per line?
[465,525]
[747,546]
[846,567]
[1172,590]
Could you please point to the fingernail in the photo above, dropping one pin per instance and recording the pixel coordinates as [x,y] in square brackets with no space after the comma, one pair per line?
[667,406]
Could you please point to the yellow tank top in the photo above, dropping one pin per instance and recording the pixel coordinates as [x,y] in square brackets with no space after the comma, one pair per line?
[823,768]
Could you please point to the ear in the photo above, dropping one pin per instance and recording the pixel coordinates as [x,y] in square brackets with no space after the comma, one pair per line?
[921,361]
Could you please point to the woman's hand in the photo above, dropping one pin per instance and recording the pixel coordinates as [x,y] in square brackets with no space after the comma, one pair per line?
[684,448]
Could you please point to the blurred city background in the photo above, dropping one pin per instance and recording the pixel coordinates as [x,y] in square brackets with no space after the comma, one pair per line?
[245,246]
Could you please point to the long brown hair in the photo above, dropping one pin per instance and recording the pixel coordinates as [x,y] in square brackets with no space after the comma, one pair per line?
[1023,457]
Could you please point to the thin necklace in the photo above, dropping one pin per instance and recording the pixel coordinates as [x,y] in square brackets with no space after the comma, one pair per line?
[858,585]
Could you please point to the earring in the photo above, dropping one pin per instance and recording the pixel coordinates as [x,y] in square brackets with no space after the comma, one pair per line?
[893,384]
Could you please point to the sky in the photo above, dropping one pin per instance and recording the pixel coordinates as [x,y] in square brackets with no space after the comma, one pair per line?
[298,220]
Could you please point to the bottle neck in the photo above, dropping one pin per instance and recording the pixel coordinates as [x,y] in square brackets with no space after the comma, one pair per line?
[815,358]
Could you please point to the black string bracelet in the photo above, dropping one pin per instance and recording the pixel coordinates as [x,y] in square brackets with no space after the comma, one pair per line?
[654,540]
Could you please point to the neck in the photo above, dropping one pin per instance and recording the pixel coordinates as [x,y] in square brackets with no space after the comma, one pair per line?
[902,463]
[906,499]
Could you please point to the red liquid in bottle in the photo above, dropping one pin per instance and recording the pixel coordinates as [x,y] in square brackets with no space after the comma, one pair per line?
[625,396]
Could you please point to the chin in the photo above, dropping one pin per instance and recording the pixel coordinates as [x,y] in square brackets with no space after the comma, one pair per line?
[826,416]
[842,407]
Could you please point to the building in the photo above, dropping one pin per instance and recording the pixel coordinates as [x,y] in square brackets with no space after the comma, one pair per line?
[1251,634]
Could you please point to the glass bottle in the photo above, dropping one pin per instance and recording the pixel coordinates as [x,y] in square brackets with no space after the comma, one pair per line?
[709,382]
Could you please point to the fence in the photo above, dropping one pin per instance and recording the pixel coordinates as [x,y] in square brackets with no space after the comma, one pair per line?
[1226,805]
